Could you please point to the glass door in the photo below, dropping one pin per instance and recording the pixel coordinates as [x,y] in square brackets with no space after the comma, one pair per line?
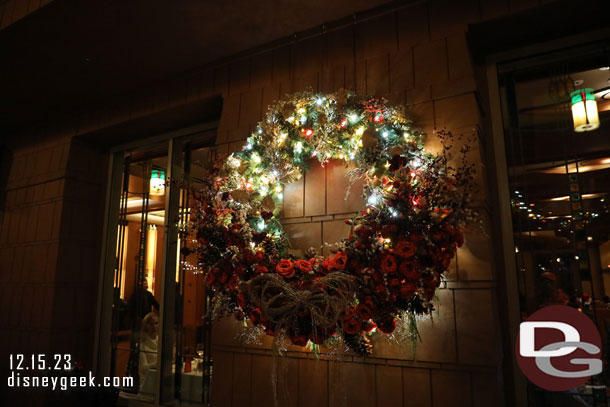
[559,180]
[192,361]
[153,322]
[137,279]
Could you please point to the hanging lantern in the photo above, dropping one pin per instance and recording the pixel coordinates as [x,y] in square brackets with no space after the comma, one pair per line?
[157,182]
[584,110]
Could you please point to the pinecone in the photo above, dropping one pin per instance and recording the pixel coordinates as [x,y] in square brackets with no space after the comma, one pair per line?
[359,343]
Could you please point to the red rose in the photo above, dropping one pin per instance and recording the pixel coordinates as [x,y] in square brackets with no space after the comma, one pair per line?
[352,326]
[405,248]
[328,264]
[314,261]
[407,268]
[210,278]
[304,266]
[299,340]
[260,269]
[249,257]
[285,268]
[340,260]
[407,290]
[388,263]
[363,312]
[387,325]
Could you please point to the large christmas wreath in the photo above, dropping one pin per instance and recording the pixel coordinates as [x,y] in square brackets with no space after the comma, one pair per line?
[399,246]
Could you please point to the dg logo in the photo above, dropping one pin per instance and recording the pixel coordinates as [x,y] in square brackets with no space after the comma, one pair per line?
[559,348]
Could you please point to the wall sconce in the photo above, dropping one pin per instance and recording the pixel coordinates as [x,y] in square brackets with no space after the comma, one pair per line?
[584,110]
[157,182]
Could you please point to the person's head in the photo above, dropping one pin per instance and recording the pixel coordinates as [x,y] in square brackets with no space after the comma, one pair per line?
[150,324]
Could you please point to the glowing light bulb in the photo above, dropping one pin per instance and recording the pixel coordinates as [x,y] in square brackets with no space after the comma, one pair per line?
[353,118]
[280,196]
[256,158]
[319,101]
[298,147]
[248,147]
[234,162]
[372,200]
[360,131]
[385,134]
[278,188]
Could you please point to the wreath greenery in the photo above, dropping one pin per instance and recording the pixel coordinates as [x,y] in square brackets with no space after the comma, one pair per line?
[399,246]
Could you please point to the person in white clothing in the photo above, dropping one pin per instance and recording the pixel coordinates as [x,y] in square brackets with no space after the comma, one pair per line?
[148,344]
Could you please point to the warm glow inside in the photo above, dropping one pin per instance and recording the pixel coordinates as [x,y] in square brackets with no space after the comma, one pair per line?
[151,257]
[123,259]
[178,262]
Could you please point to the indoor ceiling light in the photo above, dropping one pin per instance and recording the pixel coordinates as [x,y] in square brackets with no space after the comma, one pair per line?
[584,110]
[567,198]
[138,202]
